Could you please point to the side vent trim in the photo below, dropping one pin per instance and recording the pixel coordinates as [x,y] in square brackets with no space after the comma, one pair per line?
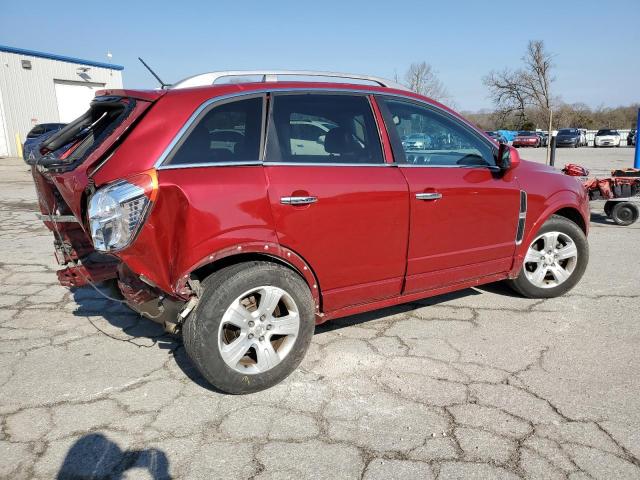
[522,217]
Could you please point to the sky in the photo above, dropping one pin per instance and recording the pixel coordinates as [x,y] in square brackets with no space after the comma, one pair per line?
[595,44]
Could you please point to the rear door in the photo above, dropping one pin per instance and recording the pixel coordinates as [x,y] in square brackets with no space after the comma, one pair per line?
[464,212]
[335,200]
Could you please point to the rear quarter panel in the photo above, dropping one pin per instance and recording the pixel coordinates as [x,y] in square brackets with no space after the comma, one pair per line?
[198,212]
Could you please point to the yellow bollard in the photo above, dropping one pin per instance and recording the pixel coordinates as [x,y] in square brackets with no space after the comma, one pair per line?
[19,145]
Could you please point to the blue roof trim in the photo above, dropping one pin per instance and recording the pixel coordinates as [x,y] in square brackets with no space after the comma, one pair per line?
[62,58]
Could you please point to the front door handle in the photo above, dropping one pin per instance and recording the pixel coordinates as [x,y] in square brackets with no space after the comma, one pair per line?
[429,196]
[298,200]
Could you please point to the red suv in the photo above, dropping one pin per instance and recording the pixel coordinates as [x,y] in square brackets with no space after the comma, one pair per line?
[244,214]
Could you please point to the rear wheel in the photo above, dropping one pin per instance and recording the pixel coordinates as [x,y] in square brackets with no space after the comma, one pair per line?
[555,260]
[624,213]
[252,327]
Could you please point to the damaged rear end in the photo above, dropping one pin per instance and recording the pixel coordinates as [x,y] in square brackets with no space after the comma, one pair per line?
[63,168]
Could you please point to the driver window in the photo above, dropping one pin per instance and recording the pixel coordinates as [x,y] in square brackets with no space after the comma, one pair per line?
[430,138]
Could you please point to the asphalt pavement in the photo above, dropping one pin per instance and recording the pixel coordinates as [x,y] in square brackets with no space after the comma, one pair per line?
[479,383]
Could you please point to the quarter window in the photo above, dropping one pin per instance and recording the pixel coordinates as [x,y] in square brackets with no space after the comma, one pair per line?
[430,138]
[323,128]
[229,132]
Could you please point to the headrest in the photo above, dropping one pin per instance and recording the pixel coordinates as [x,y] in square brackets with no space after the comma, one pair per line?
[340,141]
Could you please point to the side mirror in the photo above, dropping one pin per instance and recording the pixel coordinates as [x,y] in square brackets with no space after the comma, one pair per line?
[320,139]
[508,157]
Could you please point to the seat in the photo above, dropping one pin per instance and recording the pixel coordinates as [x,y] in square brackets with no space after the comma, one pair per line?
[340,141]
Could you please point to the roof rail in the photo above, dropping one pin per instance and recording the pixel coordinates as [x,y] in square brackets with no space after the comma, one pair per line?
[272,76]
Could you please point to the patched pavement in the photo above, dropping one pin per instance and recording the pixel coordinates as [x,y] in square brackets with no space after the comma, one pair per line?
[475,384]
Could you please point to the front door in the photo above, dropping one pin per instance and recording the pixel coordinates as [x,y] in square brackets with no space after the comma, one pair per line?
[464,211]
[334,199]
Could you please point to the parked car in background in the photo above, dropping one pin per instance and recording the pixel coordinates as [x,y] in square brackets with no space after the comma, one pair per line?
[607,138]
[37,134]
[497,136]
[417,141]
[568,137]
[583,137]
[272,241]
[544,138]
[631,137]
[509,135]
[526,138]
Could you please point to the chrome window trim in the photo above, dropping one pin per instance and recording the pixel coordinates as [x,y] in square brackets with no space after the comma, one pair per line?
[158,165]
[493,168]
[259,163]
[325,164]
[215,164]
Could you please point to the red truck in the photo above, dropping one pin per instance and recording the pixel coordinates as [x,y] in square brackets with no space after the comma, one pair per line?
[243,214]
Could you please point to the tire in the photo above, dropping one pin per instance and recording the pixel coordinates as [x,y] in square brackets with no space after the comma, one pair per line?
[206,331]
[549,286]
[624,213]
[608,207]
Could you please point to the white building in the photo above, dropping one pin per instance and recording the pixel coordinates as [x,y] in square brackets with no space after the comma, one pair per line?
[37,87]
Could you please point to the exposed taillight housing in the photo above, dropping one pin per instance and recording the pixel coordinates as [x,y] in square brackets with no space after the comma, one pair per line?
[118,210]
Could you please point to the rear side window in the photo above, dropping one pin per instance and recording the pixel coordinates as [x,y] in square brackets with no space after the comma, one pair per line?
[323,128]
[230,132]
[430,138]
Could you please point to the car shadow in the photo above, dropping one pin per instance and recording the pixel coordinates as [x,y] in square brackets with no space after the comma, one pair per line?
[95,456]
[144,332]
[138,330]
[601,219]
[395,310]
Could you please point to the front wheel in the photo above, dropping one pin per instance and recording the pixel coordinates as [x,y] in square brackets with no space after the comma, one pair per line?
[555,260]
[252,327]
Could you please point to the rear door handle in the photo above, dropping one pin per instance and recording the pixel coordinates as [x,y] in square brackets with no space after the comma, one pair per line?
[298,200]
[429,196]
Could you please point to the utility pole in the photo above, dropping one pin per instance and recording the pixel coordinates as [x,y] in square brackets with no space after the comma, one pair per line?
[636,161]
[548,161]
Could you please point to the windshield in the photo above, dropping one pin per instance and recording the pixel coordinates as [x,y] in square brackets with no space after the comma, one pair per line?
[567,131]
[525,133]
[607,132]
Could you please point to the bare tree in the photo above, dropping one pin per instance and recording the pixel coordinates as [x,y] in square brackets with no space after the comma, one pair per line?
[537,79]
[423,79]
[530,86]
[508,95]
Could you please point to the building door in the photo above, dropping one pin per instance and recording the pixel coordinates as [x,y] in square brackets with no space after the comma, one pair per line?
[74,98]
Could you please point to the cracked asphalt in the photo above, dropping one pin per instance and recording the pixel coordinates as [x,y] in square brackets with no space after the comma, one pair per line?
[475,384]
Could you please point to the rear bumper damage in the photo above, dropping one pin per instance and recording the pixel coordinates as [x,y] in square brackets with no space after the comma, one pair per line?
[150,302]
[83,265]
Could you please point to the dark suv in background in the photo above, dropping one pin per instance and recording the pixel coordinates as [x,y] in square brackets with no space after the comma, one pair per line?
[568,137]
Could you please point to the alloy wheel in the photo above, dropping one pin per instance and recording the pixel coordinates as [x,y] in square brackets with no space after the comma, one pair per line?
[550,260]
[258,330]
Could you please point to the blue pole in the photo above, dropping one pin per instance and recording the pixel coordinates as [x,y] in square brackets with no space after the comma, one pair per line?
[636,161]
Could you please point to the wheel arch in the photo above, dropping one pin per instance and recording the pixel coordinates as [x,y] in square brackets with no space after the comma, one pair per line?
[566,206]
[266,252]
[573,214]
